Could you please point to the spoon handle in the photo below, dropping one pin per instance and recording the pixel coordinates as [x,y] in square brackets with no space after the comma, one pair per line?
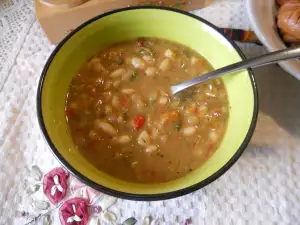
[273,57]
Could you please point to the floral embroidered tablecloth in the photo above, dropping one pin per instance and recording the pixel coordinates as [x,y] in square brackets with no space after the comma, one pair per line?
[263,187]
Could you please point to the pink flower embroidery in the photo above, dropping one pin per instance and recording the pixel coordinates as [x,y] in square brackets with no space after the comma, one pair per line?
[76,184]
[55,185]
[74,212]
[80,190]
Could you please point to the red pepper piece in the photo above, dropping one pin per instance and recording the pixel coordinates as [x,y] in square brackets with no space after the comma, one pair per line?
[140,42]
[124,101]
[209,149]
[139,122]
[71,112]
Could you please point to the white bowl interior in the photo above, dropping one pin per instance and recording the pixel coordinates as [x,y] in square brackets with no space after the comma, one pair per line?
[262,17]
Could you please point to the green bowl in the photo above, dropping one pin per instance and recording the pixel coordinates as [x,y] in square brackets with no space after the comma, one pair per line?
[127,24]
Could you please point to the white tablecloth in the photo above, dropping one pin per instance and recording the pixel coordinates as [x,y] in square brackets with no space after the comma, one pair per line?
[263,187]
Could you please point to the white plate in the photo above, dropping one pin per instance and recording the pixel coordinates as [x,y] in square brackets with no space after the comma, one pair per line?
[262,17]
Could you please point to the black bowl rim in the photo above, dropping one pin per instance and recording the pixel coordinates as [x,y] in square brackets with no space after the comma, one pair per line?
[144,197]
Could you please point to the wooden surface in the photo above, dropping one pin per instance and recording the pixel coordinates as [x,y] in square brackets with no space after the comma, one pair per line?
[62,3]
[59,19]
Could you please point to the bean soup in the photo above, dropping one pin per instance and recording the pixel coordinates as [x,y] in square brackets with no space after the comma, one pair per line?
[124,120]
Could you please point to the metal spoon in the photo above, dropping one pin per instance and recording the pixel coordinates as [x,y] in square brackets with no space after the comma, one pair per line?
[269,58]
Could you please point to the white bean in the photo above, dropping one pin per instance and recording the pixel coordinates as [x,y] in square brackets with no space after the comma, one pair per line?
[203,108]
[153,96]
[189,131]
[151,71]
[106,127]
[117,73]
[138,63]
[117,83]
[193,120]
[138,101]
[148,59]
[140,105]
[209,94]
[165,64]
[151,148]
[124,139]
[158,124]
[98,67]
[93,61]
[198,152]
[93,64]
[213,136]
[164,139]
[127,91]
[194,60]
[107,84]
[133,164]
[127,76]
[144,139]
[154,133]
[115,102]
[163,100]
[170,54]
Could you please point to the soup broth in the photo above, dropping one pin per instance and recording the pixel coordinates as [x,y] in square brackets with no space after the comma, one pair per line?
[124,120]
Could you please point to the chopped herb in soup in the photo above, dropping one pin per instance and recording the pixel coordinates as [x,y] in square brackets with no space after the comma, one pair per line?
[124,120]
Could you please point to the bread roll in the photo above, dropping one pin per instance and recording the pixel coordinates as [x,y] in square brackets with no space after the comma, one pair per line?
[289,21]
